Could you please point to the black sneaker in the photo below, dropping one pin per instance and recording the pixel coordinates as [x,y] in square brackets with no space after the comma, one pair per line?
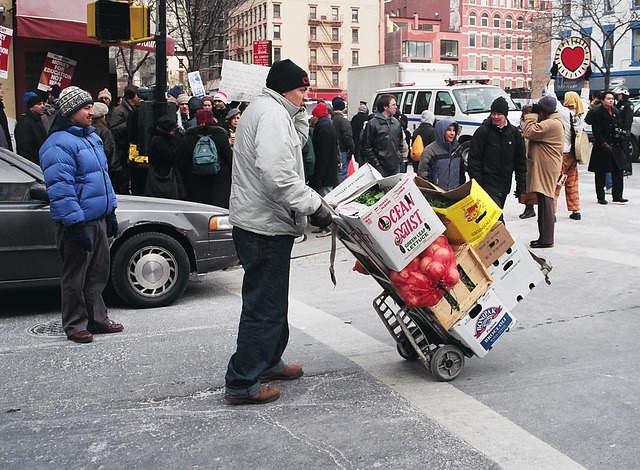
[602,201]
[575,216]
[621,201]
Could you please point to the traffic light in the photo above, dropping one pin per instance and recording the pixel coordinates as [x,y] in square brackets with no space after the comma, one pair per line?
[108,21]
[139,22]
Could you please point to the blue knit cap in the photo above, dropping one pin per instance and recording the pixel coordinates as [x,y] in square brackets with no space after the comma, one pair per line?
[30,99]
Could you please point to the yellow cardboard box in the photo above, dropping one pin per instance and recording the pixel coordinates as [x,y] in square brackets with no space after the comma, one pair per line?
[470,217]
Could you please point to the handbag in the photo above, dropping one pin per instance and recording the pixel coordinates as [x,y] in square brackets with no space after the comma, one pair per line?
[168,187]
[581,148]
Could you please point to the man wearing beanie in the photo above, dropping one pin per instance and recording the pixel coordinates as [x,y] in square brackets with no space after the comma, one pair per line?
[83,206]
[544,130]
[268,209]
[173,93]
[497,152]
[183,110]
[345,136]
[51,107]
[119,125]
[220,108]
[30,132]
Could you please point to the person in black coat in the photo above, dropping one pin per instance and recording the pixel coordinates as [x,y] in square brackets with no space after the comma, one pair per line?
[607,154]
[30,133]
[325,147]
[357,123]
[165,150]
[5,135]
[208,189]
[426,131]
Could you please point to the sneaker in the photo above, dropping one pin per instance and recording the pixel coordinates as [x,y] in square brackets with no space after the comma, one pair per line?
[575,216]
[602,201]
[527,214]
[621,201]
[300,239]
[324,233]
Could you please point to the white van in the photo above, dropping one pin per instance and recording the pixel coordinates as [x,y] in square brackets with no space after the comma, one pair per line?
[466,100]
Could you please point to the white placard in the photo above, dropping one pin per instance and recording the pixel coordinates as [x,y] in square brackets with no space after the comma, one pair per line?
[241,82]
[196,84]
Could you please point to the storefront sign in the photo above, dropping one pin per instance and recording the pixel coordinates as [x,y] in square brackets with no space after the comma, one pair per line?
[57,70]
[5,43]
[573,57]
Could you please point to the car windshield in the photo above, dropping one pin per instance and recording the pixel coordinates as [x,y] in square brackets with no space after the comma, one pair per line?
[474,100]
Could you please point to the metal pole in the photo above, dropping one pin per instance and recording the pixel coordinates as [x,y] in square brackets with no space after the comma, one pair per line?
[161,57]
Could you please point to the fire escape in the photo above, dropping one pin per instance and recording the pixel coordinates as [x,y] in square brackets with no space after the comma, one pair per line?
[326,40]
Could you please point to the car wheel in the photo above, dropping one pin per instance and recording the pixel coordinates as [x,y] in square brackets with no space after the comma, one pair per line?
[634,151]
[465,146]
[150,270]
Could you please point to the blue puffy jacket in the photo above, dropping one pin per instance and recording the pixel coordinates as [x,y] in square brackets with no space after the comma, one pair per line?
[76,174]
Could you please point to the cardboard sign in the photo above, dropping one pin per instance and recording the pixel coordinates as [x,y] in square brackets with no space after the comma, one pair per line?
[57,70]
[195,82]
[5,44]
[573,57]
[241,82]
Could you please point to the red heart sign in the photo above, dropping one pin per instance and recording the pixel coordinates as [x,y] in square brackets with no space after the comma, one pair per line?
[572,57]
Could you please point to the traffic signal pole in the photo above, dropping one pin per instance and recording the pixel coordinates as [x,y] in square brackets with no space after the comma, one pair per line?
[161,57]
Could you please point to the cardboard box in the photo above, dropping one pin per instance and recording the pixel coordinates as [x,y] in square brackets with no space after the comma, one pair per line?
[459,299]
[365,177]
[470,217]
[515,274]
[484,324]
[494,245]
[399,226]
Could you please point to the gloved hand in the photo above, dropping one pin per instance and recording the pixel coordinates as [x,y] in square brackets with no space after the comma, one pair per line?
[112,224]
[518,192]
[321,217]
[80,236]
[535,108]
[608,149]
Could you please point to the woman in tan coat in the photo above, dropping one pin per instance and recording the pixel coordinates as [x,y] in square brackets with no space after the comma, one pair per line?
[545,132]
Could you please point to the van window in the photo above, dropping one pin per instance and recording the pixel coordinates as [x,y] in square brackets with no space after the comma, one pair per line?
[396,94]
[408,102]
[479,99]
[444,104]
[422,101]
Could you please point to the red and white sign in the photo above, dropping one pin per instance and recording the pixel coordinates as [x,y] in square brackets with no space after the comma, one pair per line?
[262,53]
[573,57]
[57,70]
[5,43]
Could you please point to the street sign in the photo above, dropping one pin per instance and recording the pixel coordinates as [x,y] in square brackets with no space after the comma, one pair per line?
[262,53]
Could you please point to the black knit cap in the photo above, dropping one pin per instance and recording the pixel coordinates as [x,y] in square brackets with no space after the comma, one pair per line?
[284,75]
[500,105]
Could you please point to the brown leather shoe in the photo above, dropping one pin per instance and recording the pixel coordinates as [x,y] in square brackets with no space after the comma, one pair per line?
[290,372]
[111,327]
[266,394]
[81,337]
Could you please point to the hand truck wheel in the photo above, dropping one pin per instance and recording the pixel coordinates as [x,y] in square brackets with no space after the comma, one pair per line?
[447,363]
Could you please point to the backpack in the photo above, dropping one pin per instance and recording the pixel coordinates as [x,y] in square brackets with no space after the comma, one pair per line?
[205,157]
[416,148]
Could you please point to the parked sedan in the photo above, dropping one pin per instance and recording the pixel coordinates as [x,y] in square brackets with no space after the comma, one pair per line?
[161,241]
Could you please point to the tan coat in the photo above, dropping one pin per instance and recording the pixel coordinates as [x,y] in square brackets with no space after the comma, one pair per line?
[544,153]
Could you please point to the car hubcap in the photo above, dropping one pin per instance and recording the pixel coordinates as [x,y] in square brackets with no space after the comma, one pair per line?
[152,271]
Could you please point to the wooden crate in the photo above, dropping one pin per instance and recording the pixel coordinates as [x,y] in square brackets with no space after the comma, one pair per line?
[458,300]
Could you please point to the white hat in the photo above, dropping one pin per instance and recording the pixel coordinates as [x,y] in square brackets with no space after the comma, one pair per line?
[221,96]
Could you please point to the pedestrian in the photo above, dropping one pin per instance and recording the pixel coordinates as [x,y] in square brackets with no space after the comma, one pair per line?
[51,107]
[344,134]
[571,115]
[207,102]
[30,133]
[105,97]
[100,111]
[427,134]
[165,151]
[357,123]
[173,93]
[119,125]
[231,124]
[441,161]
[496,153]
[625,118]
[208,189]
[545,133]
[383,138]
[220,108]
[406,141]
[269,206]
[5,135]
[607,154]
[183,110]
[194,104]
[83,205]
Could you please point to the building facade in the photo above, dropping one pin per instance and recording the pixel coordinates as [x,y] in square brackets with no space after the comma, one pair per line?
[325,38]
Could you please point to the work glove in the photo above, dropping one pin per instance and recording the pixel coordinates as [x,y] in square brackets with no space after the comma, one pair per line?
[608,149]
[112,224]
[535,108]
[80,236]
[321,217]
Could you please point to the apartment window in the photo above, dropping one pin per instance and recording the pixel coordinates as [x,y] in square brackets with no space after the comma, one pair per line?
[496,42]
[484,20]
[425,27]
[355,36]
[496,62]
[335,57]
[448,48]
[355,57]
[276,11]
[472,40]
[519,82]
[532,4]
[607,51]
[507,83]
[276,31]
[335,79]
[472,62]
[484,62]
[277,53]
[519,65]
[354,16]
[507,64]
[507,42]
[313,78]
[417,49]
[313,56]
[496,21]
[520,22]
[313,32]
[334,13]
[495,82]
[543,5]
[485,41]
[313,12]
[520,44]
[335,33]
[635,45]
[472,18]
[508,22]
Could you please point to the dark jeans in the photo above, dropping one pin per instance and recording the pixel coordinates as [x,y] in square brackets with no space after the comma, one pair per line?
[617,186]
[263,332]
[84,276]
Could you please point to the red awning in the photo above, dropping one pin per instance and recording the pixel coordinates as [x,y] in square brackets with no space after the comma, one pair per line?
[61,21]
[312,95]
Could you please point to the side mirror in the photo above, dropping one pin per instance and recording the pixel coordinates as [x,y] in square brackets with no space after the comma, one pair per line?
[38,192]
[447,110]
